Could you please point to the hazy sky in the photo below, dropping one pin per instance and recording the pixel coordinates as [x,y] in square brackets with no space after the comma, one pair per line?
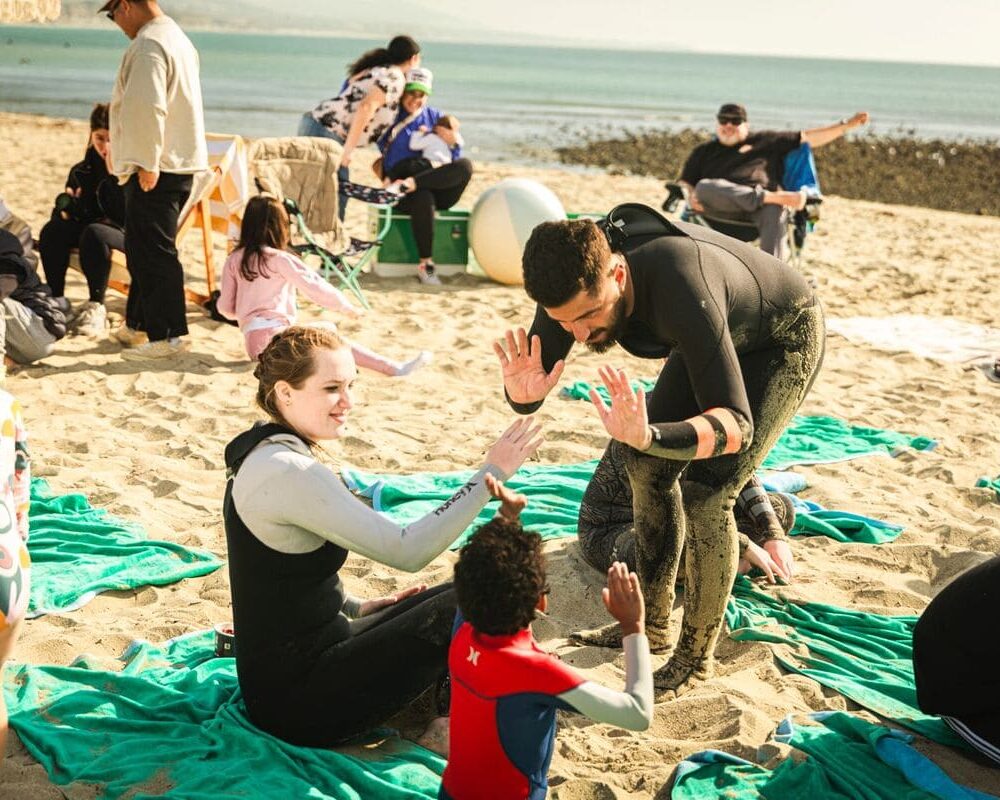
[959,31]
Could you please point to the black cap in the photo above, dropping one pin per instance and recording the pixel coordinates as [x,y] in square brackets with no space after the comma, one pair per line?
[106,6]
[732,111]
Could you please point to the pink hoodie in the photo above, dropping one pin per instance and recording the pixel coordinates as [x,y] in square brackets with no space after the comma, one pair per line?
[271,296]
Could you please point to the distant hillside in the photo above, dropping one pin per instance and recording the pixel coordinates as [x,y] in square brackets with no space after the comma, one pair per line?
[367,20]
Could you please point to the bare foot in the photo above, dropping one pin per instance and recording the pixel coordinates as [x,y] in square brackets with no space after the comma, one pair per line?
[681,674]
[611,636]
[435,738]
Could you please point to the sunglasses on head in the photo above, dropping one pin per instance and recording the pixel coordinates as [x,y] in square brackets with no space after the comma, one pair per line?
[730,120]
[111,11]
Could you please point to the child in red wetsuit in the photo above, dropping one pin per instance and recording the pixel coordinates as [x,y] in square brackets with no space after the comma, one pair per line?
[505,689]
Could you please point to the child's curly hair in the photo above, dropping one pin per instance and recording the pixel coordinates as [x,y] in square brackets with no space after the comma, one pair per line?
[499,577]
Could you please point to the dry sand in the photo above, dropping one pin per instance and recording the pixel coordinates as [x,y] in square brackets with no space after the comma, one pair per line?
[147,445]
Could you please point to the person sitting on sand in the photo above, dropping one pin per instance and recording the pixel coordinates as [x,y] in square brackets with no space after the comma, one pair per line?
[317,666]
[31,322]
[428,186]
[505,689]
[15,564]
[955,657]
[259,280]
[89,216]
[366,104]
[743,334]
[737,174]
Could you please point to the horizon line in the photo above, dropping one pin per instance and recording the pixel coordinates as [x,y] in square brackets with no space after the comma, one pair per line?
[540,42]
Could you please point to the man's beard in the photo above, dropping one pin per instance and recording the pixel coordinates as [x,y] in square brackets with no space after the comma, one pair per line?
[613,330]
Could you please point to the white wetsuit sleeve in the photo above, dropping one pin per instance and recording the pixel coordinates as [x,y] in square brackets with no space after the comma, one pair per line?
[290,489]
[632,708]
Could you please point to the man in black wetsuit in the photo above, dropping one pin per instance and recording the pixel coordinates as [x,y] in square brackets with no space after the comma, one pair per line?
[743,335]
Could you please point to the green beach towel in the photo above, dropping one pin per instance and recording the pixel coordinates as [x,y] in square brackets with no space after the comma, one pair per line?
[845,758]
[172,724]
[808,440]
[990,483]
[78,551]
[554,495]
[868,658]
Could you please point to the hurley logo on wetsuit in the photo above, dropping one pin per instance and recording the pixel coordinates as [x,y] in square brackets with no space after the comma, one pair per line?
[473,656]
[456,497]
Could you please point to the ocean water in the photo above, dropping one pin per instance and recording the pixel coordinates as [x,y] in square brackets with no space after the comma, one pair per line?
[516,103]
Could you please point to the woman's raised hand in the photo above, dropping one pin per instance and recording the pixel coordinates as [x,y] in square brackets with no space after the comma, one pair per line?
[524,377]
[626,420]
[515,445]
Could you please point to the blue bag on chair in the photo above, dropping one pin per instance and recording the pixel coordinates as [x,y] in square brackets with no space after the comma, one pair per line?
[800,171]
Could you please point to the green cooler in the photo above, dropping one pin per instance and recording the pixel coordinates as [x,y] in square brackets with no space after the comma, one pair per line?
[398,257]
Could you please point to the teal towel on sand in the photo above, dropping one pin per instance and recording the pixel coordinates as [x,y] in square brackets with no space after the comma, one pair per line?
[554,494]
[865,657]
[987,483]
[846,757]
[808,440]
[172,724]
[78,551]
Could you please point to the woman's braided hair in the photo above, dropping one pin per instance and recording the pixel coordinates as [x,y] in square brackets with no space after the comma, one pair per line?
[290,357]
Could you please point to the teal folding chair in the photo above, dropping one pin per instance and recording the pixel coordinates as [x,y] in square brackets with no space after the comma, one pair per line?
[348,265]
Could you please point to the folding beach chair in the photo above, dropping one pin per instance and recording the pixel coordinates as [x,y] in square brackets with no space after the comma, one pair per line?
[352,261]
[798,172]
[303,170]
[215,205]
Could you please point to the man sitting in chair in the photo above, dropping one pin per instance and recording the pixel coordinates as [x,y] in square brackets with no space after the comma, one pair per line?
[736,175]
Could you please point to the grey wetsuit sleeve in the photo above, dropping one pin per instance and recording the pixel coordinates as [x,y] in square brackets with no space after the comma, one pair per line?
[631,709]
[287,493]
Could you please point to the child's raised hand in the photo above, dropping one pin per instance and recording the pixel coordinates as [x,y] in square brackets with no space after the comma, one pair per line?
[623,599]
[511,503]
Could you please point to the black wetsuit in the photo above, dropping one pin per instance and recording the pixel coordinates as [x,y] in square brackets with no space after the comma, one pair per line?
[742,331]
[308,673]
[955,657]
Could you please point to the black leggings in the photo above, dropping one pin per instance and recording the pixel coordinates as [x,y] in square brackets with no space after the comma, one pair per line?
[390,659]
[437,188]
[95,242]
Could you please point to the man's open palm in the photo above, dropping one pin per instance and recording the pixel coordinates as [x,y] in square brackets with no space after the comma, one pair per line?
[524,377]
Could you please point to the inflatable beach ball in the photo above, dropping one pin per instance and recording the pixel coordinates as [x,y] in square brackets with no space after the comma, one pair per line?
[501,222]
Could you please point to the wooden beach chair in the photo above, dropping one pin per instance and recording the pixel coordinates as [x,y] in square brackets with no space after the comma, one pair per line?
[215,205]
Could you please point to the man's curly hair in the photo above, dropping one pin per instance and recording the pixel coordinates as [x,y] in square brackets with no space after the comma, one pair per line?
[561,258]
[499,577]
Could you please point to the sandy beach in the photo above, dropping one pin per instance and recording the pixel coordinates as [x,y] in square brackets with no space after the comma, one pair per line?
[147,444]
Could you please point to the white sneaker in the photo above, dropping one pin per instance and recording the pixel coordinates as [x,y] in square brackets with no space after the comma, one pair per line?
[92,319]
[128,337]
[426,275]
[163,348]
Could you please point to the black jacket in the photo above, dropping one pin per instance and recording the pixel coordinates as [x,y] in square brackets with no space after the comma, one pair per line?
[101,198]
[26,287]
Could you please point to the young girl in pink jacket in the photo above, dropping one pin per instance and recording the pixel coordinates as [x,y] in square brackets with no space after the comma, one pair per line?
[259,282]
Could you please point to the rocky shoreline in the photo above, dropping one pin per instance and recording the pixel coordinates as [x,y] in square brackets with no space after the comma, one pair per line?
[932,173]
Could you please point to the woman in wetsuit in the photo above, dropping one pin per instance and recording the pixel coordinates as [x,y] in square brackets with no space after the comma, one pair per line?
[315,665]
[743,335]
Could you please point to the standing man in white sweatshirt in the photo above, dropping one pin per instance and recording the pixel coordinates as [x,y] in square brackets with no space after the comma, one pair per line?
[157,144]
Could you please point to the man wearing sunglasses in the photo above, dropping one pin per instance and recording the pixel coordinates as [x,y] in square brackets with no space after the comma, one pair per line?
[736,174]
[157,145]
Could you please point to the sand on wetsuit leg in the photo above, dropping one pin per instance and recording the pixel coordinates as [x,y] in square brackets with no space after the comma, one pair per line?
[777,382]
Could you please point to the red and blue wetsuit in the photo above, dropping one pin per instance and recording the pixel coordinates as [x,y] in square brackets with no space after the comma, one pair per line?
[505,691]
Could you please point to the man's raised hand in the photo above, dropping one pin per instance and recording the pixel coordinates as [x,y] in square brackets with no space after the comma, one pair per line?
[524,377]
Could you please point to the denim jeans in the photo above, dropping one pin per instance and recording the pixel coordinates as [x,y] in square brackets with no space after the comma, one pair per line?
[309,126]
